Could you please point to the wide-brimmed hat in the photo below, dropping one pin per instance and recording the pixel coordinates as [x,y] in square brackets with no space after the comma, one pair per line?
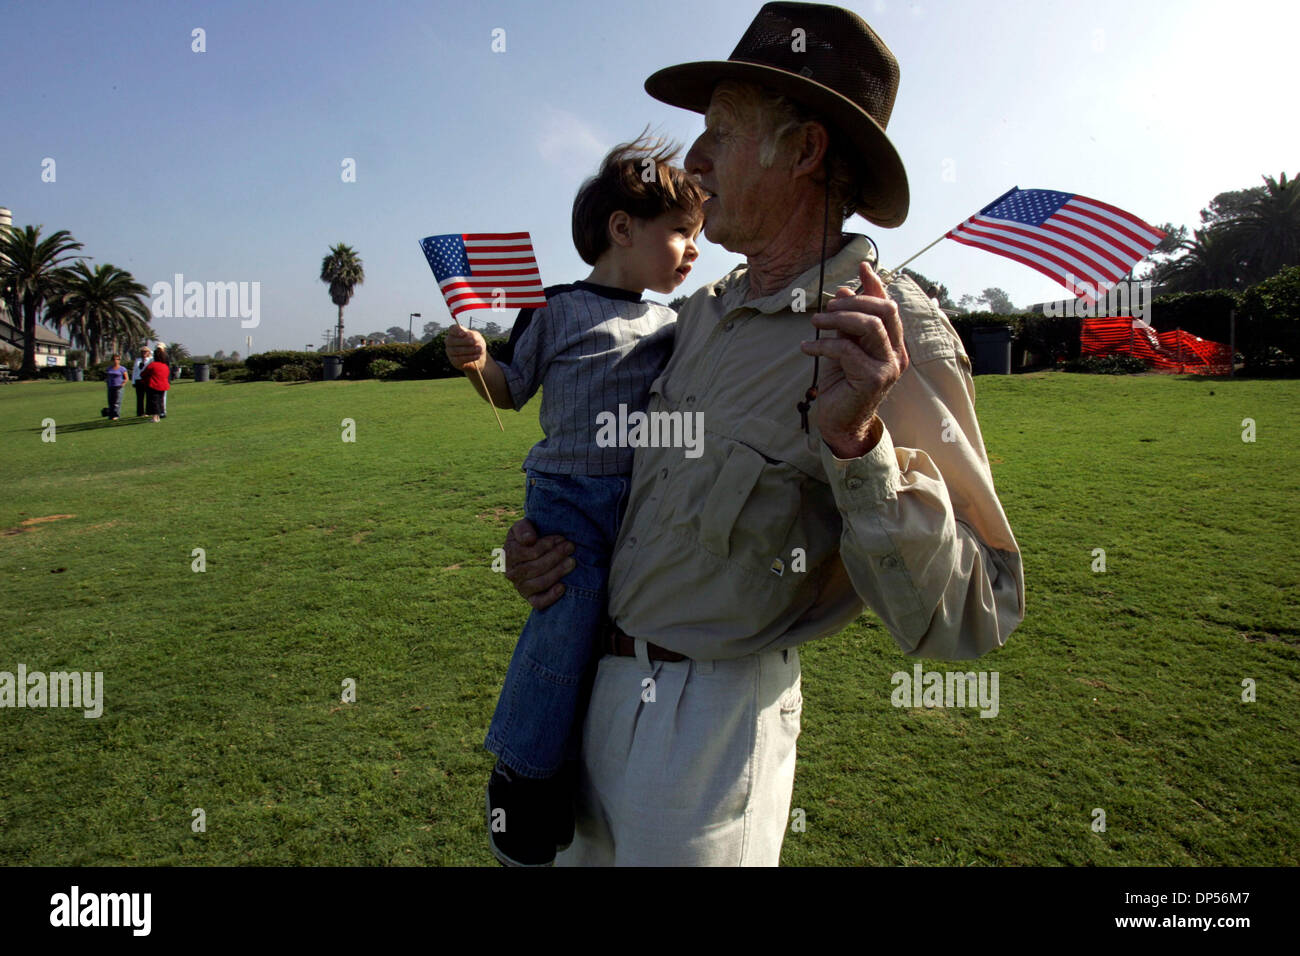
[827,59]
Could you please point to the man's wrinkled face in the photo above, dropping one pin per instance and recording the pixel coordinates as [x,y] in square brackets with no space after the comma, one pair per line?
[747,203]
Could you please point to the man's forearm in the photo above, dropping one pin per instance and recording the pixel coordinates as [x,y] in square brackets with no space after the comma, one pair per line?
[943,590]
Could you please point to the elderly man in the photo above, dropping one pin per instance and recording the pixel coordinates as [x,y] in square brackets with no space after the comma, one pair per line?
[871,486]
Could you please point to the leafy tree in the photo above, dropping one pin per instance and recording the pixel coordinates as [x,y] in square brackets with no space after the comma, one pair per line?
[1228,206]
[431,330]
[354,341]
[993,299]
[343,270]
[397,334]
[220,355]
[999,302]
[234,357]
[676,304]
[945,300]
[101,309]
[178,353]
[31,273]
[492,331]
[379,337]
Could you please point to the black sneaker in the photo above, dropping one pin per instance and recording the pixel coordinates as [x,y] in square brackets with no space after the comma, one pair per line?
[520,818]
[564,796]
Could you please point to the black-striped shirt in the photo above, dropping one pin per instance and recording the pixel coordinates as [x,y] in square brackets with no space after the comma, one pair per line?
[590,349]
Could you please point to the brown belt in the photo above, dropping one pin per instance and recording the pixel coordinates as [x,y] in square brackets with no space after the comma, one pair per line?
[619,644]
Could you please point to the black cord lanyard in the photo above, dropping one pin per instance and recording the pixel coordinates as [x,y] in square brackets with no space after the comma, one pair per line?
[810,396]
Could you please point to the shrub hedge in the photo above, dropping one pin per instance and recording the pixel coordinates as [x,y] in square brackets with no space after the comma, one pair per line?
[1268,324]
[384,369]
[264,364]
[356,362]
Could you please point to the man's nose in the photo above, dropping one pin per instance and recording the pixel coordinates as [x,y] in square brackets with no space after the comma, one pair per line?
[696,163]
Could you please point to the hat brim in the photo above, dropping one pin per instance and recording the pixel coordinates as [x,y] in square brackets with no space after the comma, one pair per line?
[884,197]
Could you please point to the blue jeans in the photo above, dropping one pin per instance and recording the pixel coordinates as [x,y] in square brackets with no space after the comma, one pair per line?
[538,721]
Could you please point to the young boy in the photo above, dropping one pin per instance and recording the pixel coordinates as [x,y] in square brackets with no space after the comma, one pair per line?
[593,346]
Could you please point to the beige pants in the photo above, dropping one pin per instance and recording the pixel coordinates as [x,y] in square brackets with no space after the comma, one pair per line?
[687,764]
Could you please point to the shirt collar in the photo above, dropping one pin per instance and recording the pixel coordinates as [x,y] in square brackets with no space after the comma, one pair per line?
[608,291]
[841,269]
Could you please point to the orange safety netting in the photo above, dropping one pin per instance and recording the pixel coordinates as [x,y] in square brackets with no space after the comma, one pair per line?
[1173,351]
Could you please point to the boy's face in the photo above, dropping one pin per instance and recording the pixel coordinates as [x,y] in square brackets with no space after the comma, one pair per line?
[665,248]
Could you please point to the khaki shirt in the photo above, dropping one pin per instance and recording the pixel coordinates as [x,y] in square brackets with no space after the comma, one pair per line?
[764,539]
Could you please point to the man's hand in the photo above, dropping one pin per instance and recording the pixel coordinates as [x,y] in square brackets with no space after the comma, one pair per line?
[534,566]
[864,359]
[465,348]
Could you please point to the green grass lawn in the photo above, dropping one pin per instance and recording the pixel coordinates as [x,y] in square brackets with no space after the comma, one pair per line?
[326,560]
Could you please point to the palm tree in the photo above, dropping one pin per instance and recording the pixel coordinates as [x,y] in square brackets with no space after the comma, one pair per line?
[30,274]
[342,270]
[1212,259]
[101,308]
[1267,229]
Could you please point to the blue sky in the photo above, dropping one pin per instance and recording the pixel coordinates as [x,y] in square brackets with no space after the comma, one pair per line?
[226,165]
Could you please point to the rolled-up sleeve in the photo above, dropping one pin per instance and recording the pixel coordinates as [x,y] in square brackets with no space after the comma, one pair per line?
[925,540]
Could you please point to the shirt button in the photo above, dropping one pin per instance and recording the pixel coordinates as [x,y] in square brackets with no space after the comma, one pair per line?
[631,542]
[664,473]
[690,399]
[853,484]
[889,562]
[729,326]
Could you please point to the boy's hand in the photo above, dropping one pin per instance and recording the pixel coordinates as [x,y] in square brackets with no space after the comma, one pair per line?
[465,348]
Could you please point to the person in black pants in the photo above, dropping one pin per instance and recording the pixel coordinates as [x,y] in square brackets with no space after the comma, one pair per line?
[141,390]
[157,377]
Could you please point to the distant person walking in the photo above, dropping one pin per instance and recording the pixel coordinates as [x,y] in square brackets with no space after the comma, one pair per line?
[156,377]
[115,375]
[137,379]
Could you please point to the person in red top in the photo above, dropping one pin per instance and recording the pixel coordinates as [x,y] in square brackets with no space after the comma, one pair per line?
[156,376]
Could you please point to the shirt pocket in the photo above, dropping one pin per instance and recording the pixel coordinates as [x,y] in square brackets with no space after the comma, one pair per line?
[750,511]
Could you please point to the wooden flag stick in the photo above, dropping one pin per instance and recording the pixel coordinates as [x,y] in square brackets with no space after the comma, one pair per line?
[486,393]
[888,275]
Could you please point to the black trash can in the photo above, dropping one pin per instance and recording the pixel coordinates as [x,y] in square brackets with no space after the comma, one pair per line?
[992,350]
[201,370]
[74,374]
[333,368]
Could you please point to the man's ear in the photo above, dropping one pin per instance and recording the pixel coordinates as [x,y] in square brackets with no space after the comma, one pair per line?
[620,228]
[809,149]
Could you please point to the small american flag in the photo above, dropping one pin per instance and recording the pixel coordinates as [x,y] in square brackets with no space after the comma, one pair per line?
[1084,244]
[485,270]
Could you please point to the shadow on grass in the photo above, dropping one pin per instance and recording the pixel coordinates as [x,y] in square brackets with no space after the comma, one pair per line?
[91,426]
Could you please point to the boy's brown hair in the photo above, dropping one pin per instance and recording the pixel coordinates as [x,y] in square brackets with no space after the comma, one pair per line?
[637,178]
